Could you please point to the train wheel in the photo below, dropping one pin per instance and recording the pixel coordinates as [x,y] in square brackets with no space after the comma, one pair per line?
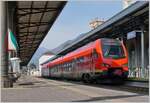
[86,78]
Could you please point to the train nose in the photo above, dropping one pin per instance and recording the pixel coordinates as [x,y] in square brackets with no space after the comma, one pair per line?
[118,72]
[105,65]
[115,72]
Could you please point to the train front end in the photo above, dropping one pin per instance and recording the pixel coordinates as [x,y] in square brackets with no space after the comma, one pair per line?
[114,59]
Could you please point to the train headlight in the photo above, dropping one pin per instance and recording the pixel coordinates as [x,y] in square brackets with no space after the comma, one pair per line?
[125,65]
[105,65]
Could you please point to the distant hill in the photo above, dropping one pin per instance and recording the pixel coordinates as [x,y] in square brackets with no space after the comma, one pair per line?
[66,43]
[38,54]
[62,46]
[43,50]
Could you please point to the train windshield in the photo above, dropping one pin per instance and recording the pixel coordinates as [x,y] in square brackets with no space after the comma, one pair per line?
[112,50]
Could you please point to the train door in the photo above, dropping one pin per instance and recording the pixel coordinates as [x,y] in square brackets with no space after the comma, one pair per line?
[94,60]
[80,67]
[90,68]
[87,64]
[74,66]
[49,71]
[61,70]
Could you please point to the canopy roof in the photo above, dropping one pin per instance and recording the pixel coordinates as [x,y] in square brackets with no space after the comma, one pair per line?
[33,21]
[129,19]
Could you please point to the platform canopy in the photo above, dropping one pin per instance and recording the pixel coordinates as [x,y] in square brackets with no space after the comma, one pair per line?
[33,21]
[129,19]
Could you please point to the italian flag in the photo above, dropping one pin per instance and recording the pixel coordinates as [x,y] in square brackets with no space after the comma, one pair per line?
[12,42]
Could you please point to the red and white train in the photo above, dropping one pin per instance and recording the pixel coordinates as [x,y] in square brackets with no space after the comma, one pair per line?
[98,60]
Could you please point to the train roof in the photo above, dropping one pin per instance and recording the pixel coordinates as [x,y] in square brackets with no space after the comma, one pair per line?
[75,54]
[84,50]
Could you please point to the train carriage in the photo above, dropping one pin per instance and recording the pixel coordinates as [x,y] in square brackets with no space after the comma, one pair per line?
[101,59]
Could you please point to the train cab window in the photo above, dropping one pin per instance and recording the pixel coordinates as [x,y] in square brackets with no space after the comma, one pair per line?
[112,50]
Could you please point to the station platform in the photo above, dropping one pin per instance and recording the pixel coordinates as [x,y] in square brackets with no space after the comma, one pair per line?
[33,89]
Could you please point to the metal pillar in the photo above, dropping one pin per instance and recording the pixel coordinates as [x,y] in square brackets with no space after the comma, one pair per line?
[149,52]
[142,50]
[10,25]
[5,81]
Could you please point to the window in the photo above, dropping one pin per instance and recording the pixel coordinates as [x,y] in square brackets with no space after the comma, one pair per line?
[113,51]
[82,59]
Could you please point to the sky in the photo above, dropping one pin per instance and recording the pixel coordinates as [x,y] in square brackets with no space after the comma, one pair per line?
[75,18]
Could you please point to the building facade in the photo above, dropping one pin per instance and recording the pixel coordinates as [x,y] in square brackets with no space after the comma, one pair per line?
[43,59]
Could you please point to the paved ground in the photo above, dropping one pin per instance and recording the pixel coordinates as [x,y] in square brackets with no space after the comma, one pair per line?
[31,89]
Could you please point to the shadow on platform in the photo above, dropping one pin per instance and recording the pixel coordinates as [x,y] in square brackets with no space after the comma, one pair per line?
[108,98]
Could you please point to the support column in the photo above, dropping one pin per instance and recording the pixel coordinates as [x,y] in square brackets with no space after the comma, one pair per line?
[5,81]
[149,50]
[10,25]
[142,50]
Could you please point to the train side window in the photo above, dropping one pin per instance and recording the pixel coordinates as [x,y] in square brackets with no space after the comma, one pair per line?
[64,65]
[68,64]
[87,58]
[71,63]
[77,60]
[82,59]
[56,68]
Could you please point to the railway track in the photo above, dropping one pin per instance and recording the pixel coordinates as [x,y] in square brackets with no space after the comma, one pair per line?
[131,86]
[137,86]
[140,84]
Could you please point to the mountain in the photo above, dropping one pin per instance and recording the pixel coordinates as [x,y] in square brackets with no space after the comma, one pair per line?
[38,54]
[68,42]
[62,46]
